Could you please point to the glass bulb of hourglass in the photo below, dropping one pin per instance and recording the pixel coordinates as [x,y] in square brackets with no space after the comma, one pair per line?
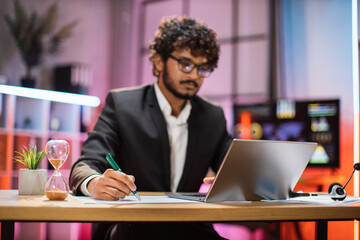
[57,152]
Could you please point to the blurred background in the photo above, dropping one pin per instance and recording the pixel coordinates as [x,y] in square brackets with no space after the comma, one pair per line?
[296,51]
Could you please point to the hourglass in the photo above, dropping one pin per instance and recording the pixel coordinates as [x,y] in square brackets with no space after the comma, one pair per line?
[57,152]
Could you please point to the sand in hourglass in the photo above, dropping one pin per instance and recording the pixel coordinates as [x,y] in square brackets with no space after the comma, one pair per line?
[57,163]
[56,194]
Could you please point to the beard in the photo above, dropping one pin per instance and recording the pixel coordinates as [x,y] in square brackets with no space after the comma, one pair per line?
[169,84]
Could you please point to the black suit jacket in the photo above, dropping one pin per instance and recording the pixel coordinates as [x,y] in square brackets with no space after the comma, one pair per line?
[132,128]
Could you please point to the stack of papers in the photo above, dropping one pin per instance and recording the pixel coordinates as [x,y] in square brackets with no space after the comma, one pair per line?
[132,200]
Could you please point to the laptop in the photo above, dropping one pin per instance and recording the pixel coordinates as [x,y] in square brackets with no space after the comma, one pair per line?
[253,170]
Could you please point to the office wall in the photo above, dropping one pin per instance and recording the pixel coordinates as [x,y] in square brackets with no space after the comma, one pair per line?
[317,58]
[243,33]
[90,42]
[317,64]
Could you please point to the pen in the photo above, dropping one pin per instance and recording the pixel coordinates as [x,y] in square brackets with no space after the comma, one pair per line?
[113,164]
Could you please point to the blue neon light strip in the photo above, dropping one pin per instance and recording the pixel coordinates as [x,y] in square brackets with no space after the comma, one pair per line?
[55,96]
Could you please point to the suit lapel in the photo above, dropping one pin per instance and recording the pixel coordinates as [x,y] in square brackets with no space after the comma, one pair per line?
[160,124]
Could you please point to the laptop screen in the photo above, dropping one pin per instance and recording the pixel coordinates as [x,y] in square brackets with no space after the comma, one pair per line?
[260,169]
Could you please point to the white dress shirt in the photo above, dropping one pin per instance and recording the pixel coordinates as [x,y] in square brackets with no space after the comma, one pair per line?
[178,136]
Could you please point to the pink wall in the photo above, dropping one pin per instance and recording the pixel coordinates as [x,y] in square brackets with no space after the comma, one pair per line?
[90,42]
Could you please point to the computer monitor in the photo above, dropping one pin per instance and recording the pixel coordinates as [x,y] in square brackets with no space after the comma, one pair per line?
[288,120]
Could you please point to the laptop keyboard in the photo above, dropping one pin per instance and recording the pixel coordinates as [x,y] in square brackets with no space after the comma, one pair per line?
[196,194]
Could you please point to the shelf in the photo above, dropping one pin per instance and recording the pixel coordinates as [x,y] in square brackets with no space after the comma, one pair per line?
[59,134]
[28,133]
[4,130]
[29,121]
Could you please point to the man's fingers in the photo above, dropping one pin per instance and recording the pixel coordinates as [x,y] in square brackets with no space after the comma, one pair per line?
[115,193]
[108,196]
[128,180]
[209,180]
[132,178]
[113,187]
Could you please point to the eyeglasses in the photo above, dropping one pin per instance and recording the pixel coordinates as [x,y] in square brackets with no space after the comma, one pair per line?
[187,66]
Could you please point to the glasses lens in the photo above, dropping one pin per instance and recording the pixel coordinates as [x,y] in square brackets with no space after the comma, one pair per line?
[186,66]
[204,71]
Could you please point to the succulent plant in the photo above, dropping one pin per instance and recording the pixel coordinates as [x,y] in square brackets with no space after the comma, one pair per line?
[29,157]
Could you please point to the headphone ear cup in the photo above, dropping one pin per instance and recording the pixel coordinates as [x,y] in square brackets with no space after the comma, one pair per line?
[332,185]
[337,192]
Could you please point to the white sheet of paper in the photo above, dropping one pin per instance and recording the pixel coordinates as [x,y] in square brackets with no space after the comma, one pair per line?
[322,199]
[133,200]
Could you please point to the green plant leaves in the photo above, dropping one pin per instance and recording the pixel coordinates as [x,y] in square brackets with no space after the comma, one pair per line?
[29,157]
[20,20]
[47,22]
[57,39]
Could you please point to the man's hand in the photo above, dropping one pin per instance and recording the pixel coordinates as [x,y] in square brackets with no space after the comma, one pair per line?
[112,185]
[208,180]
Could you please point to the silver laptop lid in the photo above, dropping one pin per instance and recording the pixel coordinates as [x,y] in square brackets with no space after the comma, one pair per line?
[260,169]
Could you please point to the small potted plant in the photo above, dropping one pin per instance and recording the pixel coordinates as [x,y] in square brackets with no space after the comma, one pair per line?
[32,181]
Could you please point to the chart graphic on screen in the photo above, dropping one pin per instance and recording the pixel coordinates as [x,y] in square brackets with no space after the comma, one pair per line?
[289,120]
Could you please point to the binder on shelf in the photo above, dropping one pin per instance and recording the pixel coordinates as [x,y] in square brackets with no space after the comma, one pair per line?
[73,78]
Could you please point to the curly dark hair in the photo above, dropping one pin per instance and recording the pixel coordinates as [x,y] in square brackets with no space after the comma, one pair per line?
[181,33]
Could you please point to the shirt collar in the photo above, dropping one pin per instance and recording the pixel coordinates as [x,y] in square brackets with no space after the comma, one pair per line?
[166,108]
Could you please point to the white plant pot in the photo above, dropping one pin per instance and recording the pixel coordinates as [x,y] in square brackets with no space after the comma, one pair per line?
[32,182]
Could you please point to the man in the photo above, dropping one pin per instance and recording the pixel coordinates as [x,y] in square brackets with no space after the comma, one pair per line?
[164,135]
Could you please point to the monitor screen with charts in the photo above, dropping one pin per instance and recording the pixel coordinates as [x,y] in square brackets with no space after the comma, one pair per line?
[290,120]
[255,170]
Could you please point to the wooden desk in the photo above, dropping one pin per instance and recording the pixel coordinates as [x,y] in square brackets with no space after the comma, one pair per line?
[29,208]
